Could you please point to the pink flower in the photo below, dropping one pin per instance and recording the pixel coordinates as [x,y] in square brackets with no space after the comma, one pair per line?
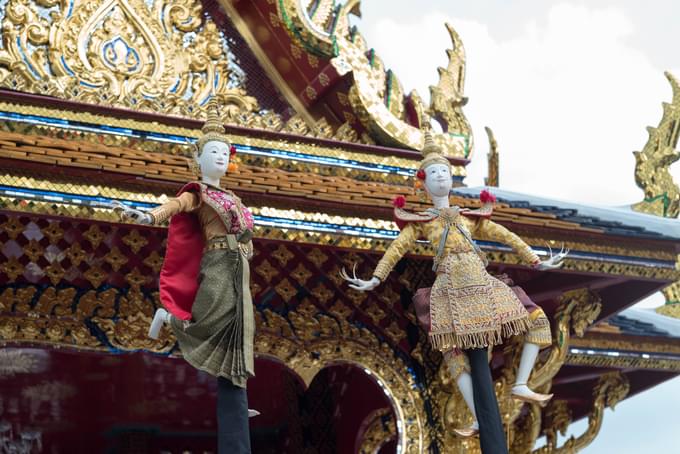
[486,197]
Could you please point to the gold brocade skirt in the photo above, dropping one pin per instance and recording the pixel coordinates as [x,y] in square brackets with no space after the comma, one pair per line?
[469,308]
[219,338]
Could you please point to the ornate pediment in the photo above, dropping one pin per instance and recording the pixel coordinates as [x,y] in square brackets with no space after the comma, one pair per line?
[156,55]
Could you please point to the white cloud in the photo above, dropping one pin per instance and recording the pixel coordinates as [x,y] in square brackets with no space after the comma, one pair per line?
[568,97]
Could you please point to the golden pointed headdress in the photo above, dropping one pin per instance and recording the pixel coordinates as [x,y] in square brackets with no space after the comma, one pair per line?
[213,129]
[432,153]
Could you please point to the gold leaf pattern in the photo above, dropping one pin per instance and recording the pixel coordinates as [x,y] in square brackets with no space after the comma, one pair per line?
[95,276]
[286,290]
[266,270]
[12,268]
[115,258]
[94,236]
[53,232]
[33,250]
[135,241]
[283,255]
[13,227]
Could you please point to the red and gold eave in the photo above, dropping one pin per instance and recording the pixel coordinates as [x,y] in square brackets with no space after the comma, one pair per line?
[293,270]
[309,77]
[305,76]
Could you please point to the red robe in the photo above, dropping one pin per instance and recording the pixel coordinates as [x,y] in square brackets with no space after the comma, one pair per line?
[182,262]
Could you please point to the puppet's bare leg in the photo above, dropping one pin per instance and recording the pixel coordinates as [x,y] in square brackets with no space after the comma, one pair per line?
[464,383]
[459,368]
[526,364]
[161,316]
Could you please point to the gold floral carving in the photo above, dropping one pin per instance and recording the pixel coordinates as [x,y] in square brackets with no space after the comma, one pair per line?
[380,429]
[604,361]
[672,295]
[266,270]
[375,313]
[307,341]
[285,289]
[652,164]
[95,276]
[282,255]
[160,56]
[13,227]
[154,261]
[301,274]
[322,293]
[527,430]
[55,272]
[557,420]
[611,388]
[76,254]
[338,341]
[606,342]
[12,268]
[94,236]
[395,332]
[33,250]
[376,96]
[115,258]
[135,241]
[578,309]
[53,231]
[136,279]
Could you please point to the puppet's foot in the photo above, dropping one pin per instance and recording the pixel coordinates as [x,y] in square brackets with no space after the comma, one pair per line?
[252,413]
[468,432]
[522,392]
[160,317]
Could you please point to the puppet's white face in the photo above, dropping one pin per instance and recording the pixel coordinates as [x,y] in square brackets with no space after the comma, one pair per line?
[214,159]
[438,180]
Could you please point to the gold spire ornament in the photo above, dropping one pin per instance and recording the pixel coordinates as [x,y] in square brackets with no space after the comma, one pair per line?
[492,157]
[432,152]
[213,128]
[213,131]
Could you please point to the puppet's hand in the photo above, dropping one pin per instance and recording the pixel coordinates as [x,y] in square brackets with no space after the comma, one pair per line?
[364,286]
[359,284]
[554,261]
[127,213]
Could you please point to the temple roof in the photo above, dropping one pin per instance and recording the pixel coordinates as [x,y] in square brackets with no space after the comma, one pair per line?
[373,198]
[644,322]
[614,220]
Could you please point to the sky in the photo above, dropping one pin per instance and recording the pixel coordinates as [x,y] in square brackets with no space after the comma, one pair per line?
[568,88]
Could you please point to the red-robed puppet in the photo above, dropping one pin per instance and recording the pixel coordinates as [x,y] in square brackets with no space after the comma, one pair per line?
[204,281]
[469,310]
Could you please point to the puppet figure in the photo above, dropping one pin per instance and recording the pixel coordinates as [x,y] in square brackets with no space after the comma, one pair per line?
[205,280]
[469,310]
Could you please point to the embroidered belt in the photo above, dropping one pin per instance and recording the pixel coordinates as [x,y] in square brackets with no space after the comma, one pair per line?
[223,242]
[456,250]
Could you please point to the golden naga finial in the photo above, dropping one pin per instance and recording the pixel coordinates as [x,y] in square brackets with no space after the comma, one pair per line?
[213,128]
[493,172]
[652,164]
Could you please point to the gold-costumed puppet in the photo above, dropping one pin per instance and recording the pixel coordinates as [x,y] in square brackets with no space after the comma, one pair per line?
[204,281]
[467,310]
